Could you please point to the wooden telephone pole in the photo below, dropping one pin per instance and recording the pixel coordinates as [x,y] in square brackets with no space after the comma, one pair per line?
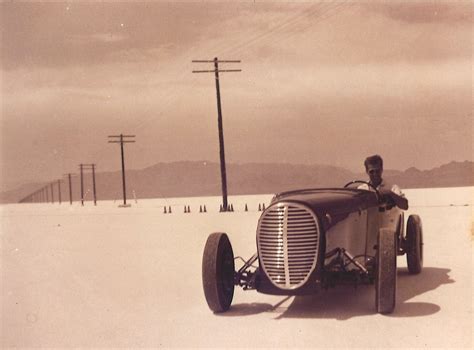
[122,139]
[92,167]
[216,72]
[81,170]
[69,176]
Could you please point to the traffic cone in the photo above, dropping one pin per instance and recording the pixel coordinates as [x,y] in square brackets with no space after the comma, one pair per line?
[169,209]
[263,207]
[185,209]
[205,210]
[200,208]
[221,209]
[189,209]
[246,208]
[164,212]
[259,207]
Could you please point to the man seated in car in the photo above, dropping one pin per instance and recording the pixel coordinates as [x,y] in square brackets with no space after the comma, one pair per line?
[389,192]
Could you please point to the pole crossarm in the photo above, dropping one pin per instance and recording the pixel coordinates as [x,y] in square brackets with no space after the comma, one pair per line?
[219,71]
[216,60]
[89,166]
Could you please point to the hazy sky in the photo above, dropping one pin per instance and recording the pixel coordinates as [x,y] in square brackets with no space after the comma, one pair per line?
[321,82]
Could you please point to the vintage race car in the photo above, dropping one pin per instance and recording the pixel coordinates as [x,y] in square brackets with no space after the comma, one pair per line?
[313,239]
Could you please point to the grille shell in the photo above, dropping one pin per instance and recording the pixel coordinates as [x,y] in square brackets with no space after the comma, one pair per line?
[288,237]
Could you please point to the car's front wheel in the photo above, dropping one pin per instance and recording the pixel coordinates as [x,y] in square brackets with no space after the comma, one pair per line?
[218,272]
[414,244]
[386,272]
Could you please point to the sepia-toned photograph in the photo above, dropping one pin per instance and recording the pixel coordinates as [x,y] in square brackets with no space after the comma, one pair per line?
[236,174]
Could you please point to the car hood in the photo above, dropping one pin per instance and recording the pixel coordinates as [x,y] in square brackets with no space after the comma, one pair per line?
[331,205]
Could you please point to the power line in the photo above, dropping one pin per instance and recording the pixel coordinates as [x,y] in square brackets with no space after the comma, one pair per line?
[277,28]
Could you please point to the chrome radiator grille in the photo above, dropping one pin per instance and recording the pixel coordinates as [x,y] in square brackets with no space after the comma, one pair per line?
[288,244]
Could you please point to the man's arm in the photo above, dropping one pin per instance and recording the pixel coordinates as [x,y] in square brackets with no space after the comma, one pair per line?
[398,198]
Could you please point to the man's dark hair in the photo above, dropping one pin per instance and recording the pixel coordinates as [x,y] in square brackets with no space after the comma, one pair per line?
[376,159]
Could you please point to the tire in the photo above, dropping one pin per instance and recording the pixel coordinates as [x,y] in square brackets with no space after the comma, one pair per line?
[386,272]
[414,244]
[218,272]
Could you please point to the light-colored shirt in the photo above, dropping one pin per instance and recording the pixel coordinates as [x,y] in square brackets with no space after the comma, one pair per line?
[383,185]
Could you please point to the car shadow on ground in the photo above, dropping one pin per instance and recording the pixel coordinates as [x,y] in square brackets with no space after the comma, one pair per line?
[247,309]
[345,302]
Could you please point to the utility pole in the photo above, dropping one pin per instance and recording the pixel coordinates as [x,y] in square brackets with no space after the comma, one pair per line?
[70,188]
[82,183]
[52,193]
[93,184]
[216,72]
[92,167]
[122,139]
[59,191]
[69,175]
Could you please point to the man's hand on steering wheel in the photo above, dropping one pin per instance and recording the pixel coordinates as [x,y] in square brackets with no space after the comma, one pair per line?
[377,192]
[386,197]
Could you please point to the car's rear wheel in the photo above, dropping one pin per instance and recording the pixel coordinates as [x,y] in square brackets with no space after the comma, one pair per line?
[414,244]
[218,272]
[386,272]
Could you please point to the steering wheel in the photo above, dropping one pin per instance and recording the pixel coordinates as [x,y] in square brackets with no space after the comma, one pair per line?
[377,193]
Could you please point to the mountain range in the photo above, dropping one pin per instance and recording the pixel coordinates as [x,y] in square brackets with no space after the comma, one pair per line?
[202,178]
